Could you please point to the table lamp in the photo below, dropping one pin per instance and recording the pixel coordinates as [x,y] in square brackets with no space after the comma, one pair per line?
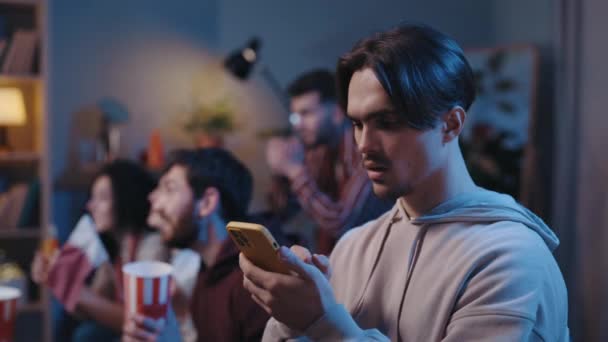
[12,113]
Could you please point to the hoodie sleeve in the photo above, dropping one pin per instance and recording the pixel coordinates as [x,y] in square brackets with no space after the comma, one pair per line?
[500,298]
[336,325]
[492,327]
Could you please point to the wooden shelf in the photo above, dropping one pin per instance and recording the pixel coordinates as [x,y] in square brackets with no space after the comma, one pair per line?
[19,157]
[19,79]
[20,233]
[30,157]
[21,2]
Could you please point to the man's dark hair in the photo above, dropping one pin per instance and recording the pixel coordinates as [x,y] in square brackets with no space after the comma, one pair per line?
[319,80]
[131,185]
[218,168]
[423,71]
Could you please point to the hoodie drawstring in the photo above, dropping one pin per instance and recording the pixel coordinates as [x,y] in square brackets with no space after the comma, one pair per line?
[415,253]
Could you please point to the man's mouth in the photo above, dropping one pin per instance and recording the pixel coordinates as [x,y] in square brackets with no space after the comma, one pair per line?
[156,220]
[375,171]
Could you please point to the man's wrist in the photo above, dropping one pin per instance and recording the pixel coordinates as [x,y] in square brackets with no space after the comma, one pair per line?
[335,323]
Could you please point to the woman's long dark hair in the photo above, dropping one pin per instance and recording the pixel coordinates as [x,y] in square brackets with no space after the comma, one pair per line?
[131,185]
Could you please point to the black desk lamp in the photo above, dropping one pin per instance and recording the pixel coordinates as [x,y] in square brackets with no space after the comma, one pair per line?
[241,62]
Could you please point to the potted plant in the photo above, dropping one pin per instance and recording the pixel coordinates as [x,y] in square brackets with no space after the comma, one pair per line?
[210,123]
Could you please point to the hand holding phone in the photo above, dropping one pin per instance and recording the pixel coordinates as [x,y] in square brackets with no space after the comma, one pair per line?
[258,245]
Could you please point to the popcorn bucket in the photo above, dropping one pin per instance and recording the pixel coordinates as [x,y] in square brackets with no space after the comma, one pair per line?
[8,312]
[147,288]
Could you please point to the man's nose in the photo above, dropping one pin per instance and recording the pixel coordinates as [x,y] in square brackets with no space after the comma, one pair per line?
[365,140]
[152,198]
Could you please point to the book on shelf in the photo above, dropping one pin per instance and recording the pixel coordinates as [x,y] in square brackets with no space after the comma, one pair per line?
[3,45]
[15,199]
[3,38]
[19,206]
[28,216]
[19,58]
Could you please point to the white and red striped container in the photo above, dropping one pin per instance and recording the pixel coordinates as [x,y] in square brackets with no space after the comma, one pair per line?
[8,312]
[147,286]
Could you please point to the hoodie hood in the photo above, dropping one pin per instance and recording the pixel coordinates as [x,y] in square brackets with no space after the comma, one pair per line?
[484,206]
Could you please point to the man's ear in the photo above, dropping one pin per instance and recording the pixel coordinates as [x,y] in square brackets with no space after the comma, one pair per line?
[209,202]
[452,123]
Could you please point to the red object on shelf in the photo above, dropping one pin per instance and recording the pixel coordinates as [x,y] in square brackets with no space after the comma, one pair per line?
[156,154]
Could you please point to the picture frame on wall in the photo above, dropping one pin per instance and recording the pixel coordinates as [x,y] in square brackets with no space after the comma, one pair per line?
[496,140]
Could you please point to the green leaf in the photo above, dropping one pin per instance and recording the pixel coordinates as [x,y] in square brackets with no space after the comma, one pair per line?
[217,117]
[496,61]
[505,85]
[478,76]
[506,107]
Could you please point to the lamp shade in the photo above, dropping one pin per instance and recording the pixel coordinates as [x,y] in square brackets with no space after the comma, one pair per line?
[12,107]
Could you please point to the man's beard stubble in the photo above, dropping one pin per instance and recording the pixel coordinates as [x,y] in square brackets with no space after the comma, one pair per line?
[185,231]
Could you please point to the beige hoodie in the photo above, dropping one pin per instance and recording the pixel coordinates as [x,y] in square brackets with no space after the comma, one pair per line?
[476,268]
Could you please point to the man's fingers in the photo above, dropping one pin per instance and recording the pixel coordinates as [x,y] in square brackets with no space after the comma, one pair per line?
[302,253]
[259,276]
[260,293]
[322,263]
[140,336]
[148,324]
[261,303]
[255,274]
[132,332]
[294,263]
[173,288]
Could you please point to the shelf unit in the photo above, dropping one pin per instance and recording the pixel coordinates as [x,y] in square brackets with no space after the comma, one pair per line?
[20,233]
[19,79]
[29,157]
[17,157]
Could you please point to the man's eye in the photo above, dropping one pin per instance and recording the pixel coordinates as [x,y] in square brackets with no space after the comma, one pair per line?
[304,112]
[356,124]
[388,123]
[384,124]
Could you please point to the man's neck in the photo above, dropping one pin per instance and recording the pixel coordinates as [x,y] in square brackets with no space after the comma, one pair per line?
[210,248]
[440,186]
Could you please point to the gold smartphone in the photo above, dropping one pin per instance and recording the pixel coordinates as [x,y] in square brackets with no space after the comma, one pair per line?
[257,244]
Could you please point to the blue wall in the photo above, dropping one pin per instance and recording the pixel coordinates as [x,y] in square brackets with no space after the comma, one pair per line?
[148,55]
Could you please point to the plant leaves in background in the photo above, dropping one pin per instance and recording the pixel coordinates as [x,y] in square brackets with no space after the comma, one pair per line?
[506,107]
[218,117]
[219,122]
[505,85]
[496,61]
[478,79]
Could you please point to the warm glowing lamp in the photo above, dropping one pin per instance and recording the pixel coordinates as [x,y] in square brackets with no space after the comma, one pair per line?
[12,112]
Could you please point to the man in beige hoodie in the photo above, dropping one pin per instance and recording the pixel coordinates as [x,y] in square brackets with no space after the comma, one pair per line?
[451,261]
